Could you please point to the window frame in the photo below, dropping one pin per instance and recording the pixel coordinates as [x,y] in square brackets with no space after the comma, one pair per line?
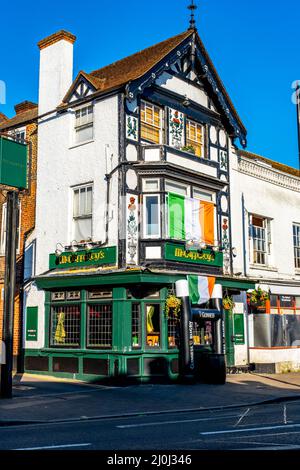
[95,303]
[160,128]
[267,240]
[160,346]
[78,127]
[194,143]
[144,206]
[296,247]
[82,216]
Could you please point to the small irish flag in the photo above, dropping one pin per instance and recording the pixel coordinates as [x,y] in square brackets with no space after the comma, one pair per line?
[191,218]
[200,289]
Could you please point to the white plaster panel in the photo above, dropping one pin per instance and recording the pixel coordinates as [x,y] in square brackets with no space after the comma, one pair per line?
[131,153]
[213,135]
[183,88]
[152,155]
[191,164]
[153,252]
[214,154]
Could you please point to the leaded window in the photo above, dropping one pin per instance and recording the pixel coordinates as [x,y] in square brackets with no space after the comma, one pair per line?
[99,326]
[151,123]
[65,326]
[136,326]
[195,137]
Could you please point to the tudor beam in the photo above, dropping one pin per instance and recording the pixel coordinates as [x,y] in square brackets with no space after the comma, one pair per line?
[9,292]
[186,349]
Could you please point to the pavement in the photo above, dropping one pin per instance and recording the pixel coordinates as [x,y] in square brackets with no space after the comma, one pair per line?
[42,399]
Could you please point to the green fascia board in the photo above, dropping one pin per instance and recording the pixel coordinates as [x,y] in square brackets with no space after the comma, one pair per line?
[97,256]
[236,284]
[176,252]
[60,281]
[13,163]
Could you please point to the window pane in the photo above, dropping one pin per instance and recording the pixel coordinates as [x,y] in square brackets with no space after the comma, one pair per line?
[152,215]
[65,327]
[89,194]
[150,185]
[194,137]
[136,326]
[153,325]
[83,229]
[99,326]
[83,134]
[176,188]
[76,203]
[173,336]
[150,122]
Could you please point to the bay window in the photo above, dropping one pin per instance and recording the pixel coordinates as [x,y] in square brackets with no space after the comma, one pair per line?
[151,123]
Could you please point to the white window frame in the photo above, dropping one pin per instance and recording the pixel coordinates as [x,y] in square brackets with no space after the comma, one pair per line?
[161,118]
[267,240]
[80,123]
[176,188]
[84,216]
[145,235]
[148,189]
[296,246]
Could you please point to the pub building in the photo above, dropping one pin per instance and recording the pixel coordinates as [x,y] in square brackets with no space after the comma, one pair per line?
[132,196]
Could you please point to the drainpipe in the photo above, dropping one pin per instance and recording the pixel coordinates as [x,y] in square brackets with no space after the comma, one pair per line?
[245,274]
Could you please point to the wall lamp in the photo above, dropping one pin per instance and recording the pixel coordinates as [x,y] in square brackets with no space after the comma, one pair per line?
[59,249]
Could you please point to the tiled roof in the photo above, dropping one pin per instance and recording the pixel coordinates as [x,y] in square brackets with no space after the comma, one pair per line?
[135,66]
[20,119]
[276,165]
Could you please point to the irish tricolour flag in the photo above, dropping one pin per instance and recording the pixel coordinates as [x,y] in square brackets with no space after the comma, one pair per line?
[200,289]
[191,219]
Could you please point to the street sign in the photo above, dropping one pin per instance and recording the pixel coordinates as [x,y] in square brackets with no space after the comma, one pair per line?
[13,163]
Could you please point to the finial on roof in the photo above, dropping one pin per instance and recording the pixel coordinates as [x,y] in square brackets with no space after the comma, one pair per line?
[192,7]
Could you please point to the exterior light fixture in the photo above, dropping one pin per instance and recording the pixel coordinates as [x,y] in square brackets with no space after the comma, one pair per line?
[89,245]
[203,245]
[74,248]
[186,101]
[234,252]
[59,250]
[215,248]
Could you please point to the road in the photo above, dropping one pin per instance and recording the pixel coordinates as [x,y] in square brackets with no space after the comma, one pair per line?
[268,427]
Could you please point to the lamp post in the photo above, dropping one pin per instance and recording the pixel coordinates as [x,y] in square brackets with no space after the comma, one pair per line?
[9,292]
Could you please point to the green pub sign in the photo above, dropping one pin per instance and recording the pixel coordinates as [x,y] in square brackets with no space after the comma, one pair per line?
[98,256]
[32,324]
[178,253]
[13,163]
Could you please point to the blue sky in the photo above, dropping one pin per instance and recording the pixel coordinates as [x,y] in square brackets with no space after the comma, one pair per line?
[254,45]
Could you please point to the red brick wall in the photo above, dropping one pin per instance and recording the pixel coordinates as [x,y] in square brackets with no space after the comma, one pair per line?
[27,221]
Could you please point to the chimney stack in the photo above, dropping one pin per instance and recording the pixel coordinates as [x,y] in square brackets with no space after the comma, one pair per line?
[24,106]
[56,69]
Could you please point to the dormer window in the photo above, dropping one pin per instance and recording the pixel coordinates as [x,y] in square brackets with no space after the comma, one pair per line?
[151,123]
[84,121]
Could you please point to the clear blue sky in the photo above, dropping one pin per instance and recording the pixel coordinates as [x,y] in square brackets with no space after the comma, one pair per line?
[254,45]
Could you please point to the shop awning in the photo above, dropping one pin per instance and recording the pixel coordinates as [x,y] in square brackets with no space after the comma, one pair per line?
[280,289]
[242,284]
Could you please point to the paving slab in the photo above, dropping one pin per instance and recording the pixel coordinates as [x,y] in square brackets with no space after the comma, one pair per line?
[40,398]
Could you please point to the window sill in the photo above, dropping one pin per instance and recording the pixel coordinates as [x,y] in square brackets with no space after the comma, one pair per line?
[297,272]
[263,267]
[81,143]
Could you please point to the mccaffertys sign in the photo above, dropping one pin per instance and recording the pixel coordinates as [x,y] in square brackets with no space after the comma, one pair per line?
[13,163]
[178,253]
[98,256]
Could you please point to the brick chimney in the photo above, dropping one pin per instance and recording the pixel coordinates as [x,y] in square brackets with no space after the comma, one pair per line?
[56,69]
[24,106]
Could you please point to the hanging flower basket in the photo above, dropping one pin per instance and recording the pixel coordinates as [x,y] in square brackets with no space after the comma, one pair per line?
[172,306]
[259,297]
[228,303]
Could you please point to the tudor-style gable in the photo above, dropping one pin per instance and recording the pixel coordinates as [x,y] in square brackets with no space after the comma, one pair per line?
[80,89]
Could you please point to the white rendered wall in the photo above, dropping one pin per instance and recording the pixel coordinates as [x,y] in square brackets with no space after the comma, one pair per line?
[56,74]
[183,88]
[266,199]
